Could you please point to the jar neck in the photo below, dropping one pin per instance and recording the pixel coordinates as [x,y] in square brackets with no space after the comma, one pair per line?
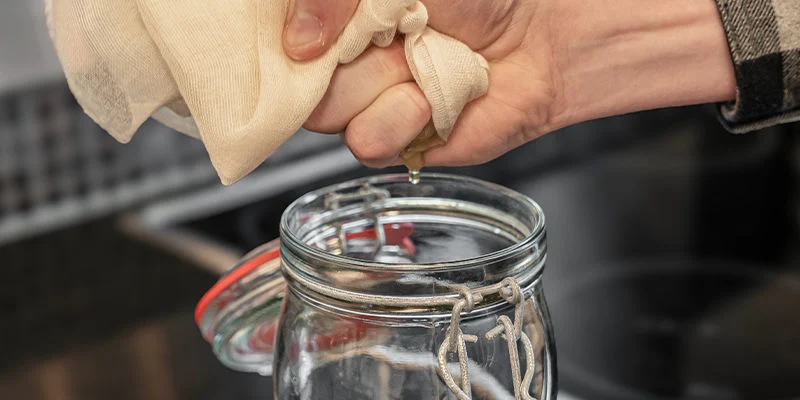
[489,209]
[401,291]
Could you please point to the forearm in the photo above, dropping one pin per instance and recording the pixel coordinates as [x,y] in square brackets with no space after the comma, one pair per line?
[621,56]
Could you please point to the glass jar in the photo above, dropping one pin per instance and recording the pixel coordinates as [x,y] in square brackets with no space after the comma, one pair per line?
[383,289]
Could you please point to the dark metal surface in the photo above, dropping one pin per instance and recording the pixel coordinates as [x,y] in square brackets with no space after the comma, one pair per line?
[672,269]
[160,359]
[88,314]
[85,284]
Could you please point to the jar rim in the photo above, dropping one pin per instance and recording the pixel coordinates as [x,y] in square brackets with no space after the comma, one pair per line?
[288,237]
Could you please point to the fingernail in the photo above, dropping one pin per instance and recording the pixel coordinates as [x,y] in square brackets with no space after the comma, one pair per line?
[304,30]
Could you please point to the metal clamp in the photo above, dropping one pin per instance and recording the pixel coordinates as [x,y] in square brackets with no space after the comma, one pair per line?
[367,194]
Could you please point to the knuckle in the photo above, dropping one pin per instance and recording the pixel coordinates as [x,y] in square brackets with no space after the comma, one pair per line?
[418,109]
[371,153]
[326,118]
[387,62]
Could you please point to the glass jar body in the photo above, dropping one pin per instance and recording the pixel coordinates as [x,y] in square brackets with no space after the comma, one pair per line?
[328,352]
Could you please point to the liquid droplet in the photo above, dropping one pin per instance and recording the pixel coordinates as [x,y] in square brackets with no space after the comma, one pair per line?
[413,176]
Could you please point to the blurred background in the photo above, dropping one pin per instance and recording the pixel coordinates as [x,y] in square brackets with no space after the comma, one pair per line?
[673,263]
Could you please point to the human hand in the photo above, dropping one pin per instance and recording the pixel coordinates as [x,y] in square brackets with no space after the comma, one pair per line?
[552,64]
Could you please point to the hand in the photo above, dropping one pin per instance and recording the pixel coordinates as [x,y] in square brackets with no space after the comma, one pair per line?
[552,63]
[380,108]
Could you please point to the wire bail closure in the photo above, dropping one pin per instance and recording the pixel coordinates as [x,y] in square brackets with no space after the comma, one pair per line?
[511,331]
[367,193]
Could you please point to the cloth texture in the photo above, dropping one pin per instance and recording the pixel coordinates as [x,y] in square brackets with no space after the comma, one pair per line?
[216,69]
[764,40]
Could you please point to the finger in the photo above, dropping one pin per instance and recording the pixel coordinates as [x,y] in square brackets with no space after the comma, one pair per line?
[313,26]
[378,134]
[356,85]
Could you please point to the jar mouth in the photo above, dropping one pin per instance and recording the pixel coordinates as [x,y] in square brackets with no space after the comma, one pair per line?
[534,226]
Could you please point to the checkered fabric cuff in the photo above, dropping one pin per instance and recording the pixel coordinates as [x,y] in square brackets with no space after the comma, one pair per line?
[764,40]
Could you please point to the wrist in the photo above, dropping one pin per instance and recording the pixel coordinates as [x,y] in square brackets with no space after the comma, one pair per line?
[620,56]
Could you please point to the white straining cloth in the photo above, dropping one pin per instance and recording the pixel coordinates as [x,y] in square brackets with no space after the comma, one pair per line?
[216,69]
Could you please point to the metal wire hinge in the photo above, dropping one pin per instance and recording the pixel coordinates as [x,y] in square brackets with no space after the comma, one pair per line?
[511,331]
[366,193]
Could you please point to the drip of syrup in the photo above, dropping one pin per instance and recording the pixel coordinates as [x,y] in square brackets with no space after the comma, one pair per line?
[412,155]
[413,176]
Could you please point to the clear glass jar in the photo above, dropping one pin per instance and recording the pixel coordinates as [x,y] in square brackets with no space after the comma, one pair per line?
[392,290]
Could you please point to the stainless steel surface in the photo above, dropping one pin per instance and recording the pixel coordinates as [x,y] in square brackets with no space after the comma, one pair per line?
[58,168]
[156,223]
[258,186]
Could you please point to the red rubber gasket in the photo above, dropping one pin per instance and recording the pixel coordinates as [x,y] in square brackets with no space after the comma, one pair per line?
[230,279]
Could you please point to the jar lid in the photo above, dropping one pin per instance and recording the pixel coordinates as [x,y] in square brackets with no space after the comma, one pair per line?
[239,315]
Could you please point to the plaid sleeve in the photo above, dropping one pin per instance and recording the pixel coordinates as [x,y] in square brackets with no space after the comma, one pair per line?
[764,40]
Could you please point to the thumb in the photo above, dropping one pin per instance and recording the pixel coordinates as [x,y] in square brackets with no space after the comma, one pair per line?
[312,26]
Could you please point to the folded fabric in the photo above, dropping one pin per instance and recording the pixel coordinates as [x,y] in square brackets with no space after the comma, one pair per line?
[216,69]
